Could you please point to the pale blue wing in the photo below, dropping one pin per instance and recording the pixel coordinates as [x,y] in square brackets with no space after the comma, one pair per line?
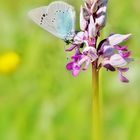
[58,18]
[64,23]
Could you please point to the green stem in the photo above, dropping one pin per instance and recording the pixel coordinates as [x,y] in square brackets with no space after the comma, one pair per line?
[96,105]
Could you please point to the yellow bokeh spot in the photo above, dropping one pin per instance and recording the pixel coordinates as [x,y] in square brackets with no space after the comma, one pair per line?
[9,62]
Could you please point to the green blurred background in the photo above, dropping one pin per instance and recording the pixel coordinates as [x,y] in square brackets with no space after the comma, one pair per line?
[42,101]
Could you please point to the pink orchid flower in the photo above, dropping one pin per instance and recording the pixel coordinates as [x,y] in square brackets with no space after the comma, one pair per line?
[108,53]
[113,56]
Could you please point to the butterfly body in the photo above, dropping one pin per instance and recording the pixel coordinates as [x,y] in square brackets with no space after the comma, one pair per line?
[57,18]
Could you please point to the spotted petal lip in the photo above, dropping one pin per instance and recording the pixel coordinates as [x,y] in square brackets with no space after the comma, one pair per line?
[91,53]
[72,66]
[76,71]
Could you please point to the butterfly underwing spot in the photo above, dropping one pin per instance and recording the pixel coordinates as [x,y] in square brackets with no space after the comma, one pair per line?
[42,18]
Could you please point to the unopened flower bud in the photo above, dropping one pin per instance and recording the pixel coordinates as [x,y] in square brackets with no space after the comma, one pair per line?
[92,30]
[83,21]
[101,15]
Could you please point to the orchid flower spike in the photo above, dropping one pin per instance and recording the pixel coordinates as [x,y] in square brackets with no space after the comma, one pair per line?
[108,54]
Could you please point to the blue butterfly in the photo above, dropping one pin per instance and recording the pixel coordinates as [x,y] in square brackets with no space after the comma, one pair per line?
[57,18]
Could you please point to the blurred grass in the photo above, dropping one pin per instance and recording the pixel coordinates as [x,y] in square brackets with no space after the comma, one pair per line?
[42,101]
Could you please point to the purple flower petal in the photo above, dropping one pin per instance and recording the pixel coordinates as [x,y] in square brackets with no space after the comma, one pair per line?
[122,78]
[69,66]
[123,69]
[121,48]
[117,39]
[92,42]
[117,60]
[78,52]
[76,57]
[84,59]
[126,54]
[76,71]
[71,48]
[109,67]
[128,60]
[108,51]
[91,53]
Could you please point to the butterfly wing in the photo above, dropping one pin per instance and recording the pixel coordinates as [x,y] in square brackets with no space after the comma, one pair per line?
[58,18]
